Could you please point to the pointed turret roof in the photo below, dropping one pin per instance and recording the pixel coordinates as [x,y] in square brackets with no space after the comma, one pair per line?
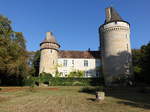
[112,15]
[50,38]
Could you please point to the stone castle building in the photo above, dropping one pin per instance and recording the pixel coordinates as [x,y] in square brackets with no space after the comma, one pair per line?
[52,59]
[114,56]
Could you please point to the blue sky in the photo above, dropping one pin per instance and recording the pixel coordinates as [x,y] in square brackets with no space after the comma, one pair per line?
[74,22]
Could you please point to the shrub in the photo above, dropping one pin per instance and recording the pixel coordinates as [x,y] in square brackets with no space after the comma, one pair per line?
[76,81]
[59,81]
[76,74]
[92,90]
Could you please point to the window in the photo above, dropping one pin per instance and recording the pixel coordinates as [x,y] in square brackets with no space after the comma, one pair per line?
[97,63]
[127,48]
[86,73]
[72,62]
[50,51]
[65,63]
[86,63]
[97,73]
[126,35]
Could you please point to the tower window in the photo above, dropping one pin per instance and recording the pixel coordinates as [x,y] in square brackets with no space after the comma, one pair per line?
[65,63]
[50,50]
[127,48]
[86,63]
[126,35]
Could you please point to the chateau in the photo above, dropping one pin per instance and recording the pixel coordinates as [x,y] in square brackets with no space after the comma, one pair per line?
[113,59]
[65,62]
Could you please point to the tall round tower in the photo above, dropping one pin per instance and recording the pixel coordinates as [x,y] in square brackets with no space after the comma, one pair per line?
[49,54]
[115,47]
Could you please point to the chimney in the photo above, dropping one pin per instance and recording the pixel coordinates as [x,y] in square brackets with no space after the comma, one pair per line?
[108,14]
[112,15]
[48,35]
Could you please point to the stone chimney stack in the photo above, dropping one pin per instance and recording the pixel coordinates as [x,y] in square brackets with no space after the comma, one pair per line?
[108,14]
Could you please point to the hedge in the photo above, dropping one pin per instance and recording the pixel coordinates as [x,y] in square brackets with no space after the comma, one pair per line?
[59,81]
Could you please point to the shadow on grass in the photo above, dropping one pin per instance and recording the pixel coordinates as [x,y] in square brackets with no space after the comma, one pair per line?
[91,90]
[135,104]
[91,99]
[130,96]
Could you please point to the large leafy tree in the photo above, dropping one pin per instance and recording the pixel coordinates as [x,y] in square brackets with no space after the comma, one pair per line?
[141,63]
[13,54]
[137,63]
[145,50]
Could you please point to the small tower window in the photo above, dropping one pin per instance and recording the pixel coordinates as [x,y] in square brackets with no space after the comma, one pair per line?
[126,35]
[127,47]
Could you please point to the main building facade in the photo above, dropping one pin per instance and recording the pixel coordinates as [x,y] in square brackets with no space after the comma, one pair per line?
[113,60]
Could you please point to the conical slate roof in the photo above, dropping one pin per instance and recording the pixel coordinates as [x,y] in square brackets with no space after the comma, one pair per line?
[50,38]
[112,15]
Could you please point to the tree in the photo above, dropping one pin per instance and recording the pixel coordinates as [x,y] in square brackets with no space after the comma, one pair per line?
[13,55]
[36,63]
[141,63]
[137,61]
[146,62]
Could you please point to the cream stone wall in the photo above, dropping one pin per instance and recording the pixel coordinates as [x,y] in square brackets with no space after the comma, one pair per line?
[115,50]
[48,61]
[78,64]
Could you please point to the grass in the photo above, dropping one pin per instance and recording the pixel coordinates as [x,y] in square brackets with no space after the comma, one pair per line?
[71,99]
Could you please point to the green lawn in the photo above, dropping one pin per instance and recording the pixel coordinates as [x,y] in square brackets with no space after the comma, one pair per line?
[69,99]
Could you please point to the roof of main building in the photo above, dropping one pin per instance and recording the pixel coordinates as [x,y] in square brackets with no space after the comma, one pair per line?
[79,54]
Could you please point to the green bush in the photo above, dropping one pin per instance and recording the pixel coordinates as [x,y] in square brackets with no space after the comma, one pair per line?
[30,81]
[44,78]
[77,73]
[59,81]
[75,81]
[92,90]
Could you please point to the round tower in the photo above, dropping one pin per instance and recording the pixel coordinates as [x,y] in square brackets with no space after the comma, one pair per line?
[115,47]
[49,54]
